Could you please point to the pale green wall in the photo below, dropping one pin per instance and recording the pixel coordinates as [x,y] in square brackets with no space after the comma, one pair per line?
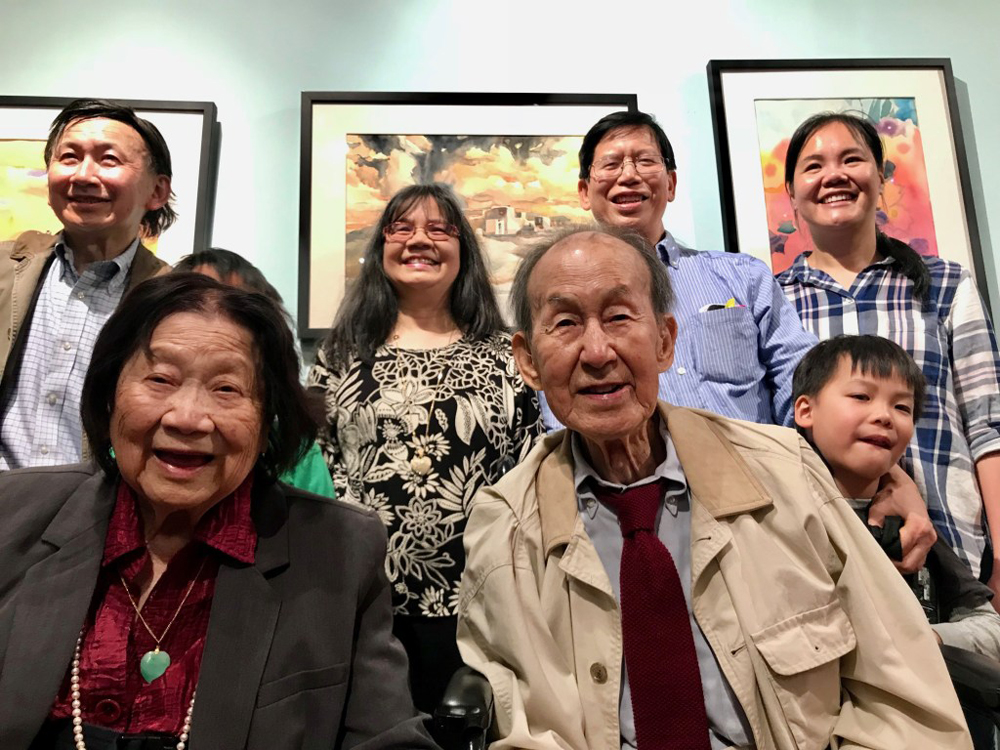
[253,58]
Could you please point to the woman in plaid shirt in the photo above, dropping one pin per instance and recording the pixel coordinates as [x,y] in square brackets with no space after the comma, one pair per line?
[859,280]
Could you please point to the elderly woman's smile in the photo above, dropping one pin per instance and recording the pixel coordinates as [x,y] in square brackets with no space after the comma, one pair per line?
[186,425]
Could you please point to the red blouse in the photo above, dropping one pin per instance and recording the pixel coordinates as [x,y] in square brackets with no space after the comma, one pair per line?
[113,693]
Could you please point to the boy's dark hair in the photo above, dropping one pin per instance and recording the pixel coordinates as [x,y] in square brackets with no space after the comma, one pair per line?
[871,355]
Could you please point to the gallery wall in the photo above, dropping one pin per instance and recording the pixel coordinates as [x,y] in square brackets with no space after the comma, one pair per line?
[254,57]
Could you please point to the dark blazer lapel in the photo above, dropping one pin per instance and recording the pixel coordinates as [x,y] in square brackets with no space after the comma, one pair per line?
[240,630]
[50,608]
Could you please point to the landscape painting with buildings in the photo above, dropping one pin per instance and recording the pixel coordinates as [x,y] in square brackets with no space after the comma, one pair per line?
[515,188]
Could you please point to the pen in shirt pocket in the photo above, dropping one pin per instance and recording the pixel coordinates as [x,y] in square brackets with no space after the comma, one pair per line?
[731,303]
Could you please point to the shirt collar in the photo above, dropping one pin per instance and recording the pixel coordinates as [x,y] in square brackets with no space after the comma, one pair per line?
[227,527]
[669,251]
[113,272]
[669,470]
[801,271]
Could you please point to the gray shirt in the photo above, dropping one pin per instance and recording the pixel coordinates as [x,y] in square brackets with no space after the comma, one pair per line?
[726,721]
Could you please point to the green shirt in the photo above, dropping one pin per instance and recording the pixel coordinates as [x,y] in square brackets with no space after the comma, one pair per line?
[311,474]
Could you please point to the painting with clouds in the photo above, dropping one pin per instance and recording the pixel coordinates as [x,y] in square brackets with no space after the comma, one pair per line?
[510,157]
[514,187]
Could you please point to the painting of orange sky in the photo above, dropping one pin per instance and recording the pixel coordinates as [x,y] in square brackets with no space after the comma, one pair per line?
[528,181]
[24,191]
[905,211]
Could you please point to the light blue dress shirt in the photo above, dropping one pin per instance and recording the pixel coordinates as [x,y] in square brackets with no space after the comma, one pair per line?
[726,721]
[736,361]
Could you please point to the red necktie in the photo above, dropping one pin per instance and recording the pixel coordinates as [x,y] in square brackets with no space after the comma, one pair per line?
[668,704]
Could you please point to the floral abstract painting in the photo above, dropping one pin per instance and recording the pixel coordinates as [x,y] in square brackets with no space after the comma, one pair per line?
[905,211]
[514,187]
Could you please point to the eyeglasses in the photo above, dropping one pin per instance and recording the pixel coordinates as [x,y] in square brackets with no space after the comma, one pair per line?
[401,231]
[610,168]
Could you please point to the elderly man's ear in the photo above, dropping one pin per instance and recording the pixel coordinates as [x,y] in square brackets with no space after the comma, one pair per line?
[668,335]
[525,362]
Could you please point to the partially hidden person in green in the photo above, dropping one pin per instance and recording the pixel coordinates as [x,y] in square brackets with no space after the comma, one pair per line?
[311,473]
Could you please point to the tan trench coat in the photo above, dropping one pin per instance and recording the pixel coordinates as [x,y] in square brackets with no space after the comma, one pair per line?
[815,631]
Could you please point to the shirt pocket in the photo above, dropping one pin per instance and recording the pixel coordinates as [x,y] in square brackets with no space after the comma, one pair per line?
[803,655]
[725,346]
[310,679]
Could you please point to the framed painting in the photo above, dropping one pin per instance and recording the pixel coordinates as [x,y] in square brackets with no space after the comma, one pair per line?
[927,199]
[189,128]
[511,158]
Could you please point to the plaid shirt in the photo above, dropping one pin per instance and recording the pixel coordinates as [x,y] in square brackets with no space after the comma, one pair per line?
[950,337]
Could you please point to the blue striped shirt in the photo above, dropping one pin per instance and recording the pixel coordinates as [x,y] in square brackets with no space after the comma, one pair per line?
[951,338]
[735,361]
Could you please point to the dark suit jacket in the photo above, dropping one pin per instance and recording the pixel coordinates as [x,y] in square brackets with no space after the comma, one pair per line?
[299,651]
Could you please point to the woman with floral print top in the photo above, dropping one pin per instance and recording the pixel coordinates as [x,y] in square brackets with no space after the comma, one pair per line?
[424,406]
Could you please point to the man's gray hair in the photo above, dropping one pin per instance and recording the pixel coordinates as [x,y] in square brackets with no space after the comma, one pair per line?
[660,292]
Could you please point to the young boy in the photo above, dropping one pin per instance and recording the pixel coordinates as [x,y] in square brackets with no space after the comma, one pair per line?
[856,399]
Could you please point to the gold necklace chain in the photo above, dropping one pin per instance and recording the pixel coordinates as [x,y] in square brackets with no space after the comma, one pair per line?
[421,462]
[172,619]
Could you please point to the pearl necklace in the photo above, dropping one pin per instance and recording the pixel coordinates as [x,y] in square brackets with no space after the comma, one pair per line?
[74,687]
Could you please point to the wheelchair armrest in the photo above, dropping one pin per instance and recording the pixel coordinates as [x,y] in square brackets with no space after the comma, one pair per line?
[976,677]
[467,702]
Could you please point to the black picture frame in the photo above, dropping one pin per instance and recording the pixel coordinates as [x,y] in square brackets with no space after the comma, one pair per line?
[191,130]
[734,87]
[322,249]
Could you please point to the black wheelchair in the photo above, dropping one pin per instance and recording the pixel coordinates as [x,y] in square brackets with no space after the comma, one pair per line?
[462,720]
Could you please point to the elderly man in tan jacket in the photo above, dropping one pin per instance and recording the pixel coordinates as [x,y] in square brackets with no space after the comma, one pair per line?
[747,608]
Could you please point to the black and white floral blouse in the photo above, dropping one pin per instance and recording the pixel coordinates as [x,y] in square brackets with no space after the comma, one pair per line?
[485,421]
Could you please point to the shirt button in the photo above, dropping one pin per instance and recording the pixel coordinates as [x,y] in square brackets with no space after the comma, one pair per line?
[681,370]
[599,673]
[81,295]
[108,710]
[52,398]
[44,450]
[67,346]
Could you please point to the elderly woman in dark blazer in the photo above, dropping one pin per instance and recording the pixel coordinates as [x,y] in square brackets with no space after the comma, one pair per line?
[174,593]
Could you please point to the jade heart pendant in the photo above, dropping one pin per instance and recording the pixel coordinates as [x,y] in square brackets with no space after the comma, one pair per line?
[153,664]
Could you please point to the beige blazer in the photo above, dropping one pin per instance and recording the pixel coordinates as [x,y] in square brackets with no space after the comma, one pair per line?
[817,634]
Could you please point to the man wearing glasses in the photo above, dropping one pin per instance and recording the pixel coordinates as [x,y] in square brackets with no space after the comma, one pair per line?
[739,338]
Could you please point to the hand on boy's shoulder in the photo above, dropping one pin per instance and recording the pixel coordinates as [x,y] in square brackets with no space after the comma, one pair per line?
[899,496]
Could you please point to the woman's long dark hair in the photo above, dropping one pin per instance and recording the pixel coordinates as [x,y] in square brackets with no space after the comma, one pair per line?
[910,263]
[368,313]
